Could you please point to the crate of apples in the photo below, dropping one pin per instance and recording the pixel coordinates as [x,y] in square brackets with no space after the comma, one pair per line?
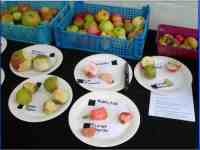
[103,23]
[26,15]
[177,41]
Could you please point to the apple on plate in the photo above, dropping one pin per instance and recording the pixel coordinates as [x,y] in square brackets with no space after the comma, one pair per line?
[31,18]
[102,15]
[106,26]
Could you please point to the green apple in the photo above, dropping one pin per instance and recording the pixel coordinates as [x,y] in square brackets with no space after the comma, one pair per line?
[31,18]
[106,26]
[13,9]
[119,32]
[89,23]
[17,16]
[89,18]
[7,18]
[72,28]
[23,97]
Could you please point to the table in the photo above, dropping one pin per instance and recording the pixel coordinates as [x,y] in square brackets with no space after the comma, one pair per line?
[153,132]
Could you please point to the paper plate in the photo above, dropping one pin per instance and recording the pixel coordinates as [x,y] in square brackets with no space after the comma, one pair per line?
[106,63]
[38,100]
[43,49]
[182,78]
[109,132]
[3,44]
[2,76]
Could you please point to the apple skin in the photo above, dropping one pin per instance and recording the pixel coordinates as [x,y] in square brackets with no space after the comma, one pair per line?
[102,15]
[138,23]
[72,28]
[24,8]
[46,14]
[119,32]
[31,18]
[179,39]
[7,18]
[89,23]
[128,26]
[89,18]
[118,23]
[106,26]
[13,9]
[93,29]
[17,16]
[78,21]
[116,18]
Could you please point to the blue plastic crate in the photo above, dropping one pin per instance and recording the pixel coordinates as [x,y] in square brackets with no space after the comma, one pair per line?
[40,34]
[132,49]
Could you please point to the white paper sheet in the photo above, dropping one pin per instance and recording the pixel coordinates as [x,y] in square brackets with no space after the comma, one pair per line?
[178,106]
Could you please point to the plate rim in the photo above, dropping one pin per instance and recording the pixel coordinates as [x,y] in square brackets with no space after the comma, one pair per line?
[133,133]
[2,76]
[6,44]
[60,60]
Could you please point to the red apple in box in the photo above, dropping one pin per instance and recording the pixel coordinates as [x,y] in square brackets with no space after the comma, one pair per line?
[93,29]
[116,18]
[79,21]
[179,39]
[54,11]
[46,14]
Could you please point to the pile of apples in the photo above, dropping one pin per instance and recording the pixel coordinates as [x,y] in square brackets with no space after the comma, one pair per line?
[27,16]
[105,24]
[179,41]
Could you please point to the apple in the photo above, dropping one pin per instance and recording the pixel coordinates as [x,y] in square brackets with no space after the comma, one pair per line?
[17,16]
[13,9]
[102,15]
[116,18]
[46,13]
[89,18]
[54,11]
[179,39]
[106,26]
[128,26]
[138,23]
[119,32]
[93,29]
[24,8]
[78,21]
[7,18]
[118,23]
[31,18]
[89,23]
[72,28]
[134,34]
[82,31]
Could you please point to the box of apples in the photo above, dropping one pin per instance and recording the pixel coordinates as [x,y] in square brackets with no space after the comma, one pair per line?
[177,41]
[98,28]
[30,21]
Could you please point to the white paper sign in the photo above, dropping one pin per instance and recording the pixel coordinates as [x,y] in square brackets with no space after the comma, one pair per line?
[178,106]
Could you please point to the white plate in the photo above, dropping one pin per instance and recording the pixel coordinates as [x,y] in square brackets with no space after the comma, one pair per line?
[3,44]
[43,49]
[115,133]
[182,78]
[38,100]
[116,70]
[2,76]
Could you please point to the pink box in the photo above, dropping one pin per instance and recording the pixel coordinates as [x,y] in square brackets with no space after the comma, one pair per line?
[172,51]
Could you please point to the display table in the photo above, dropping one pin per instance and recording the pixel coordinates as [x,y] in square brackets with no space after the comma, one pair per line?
[153,132]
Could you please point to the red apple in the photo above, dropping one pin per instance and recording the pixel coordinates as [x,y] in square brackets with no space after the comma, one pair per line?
[54,11]
[116,18]
[78,20]
[24,8]
[118,23]
[93,29]
[179,39]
